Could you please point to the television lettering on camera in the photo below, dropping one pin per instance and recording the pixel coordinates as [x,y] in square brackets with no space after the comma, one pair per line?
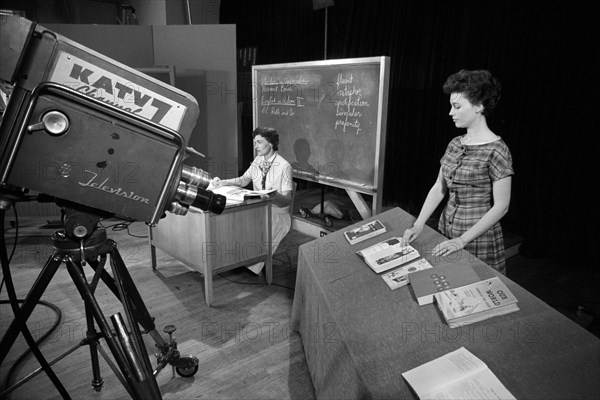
[74,117]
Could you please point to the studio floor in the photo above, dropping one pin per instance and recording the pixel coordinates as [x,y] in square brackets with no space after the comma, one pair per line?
[244,342]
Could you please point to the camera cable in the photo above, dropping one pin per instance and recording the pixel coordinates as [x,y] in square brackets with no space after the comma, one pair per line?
[14,302]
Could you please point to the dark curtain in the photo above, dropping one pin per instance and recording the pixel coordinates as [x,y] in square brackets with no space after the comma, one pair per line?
[546,57]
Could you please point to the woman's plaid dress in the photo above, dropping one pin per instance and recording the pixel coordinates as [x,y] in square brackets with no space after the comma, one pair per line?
[469,172]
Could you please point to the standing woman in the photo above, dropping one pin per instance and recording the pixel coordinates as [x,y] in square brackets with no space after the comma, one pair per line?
[476,172]
[269,170]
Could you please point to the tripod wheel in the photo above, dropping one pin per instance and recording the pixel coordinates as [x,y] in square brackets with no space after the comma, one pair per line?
[186,372]
[187,366]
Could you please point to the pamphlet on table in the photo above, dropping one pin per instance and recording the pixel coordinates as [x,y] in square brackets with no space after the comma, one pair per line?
[364,232]
[476,302]
[456,375]
[388,254]
[425,284]
[399,276]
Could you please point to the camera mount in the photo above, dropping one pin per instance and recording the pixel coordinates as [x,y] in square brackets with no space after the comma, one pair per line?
[123,338]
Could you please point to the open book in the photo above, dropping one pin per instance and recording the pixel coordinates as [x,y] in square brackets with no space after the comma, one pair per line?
[236,195]
[388,254]
[456,375]
[476,302]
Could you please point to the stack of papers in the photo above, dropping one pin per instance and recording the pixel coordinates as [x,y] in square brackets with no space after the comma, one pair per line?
[476,302]
[237,195]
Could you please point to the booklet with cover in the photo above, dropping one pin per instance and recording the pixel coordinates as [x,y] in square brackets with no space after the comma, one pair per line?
[476,302]
[428,282]
[384,244]
[236,195]
[388,254]
[365,232]
[456,375]
[399,276]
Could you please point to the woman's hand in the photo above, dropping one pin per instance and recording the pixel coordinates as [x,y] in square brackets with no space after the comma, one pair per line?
[412,233]
[216,182]
[448,247]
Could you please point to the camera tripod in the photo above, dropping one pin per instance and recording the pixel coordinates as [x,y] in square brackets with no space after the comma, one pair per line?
[124,340]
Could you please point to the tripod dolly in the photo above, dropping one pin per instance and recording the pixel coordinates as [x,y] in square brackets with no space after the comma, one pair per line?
[124,338]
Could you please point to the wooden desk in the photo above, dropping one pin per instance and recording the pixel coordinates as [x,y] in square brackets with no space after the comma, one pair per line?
[212,243]
[359,336]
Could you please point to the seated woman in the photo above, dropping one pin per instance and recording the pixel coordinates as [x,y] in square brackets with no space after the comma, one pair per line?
[269,170]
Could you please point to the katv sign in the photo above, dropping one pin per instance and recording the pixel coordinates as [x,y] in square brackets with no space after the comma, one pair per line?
[93,81]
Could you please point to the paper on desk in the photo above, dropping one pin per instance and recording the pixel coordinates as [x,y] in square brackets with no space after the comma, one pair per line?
[456,375]
[483,385]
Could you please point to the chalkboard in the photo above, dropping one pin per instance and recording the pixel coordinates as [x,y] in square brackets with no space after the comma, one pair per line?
[330,116]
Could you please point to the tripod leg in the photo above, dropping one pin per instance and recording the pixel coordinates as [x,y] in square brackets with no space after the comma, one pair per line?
[80,281]
[128,294]
[97,381]
[22,313]
[32,299]
[91,333]
[140,312]
[152,249]
[185,365]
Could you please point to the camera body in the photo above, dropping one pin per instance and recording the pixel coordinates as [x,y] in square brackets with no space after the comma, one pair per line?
[87,129]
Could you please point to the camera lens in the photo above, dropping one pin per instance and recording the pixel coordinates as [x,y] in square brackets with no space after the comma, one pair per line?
[195,176]
[207,200]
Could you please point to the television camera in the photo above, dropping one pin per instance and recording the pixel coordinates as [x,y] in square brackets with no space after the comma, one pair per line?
[100,139]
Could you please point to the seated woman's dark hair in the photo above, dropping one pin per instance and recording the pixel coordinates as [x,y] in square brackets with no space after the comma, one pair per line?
[269,134]
[478,86]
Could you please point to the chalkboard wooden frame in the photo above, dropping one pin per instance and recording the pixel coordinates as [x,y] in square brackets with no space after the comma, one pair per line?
[290,98]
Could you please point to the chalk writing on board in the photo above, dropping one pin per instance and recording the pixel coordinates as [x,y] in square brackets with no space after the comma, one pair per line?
[277,96]
[281,96]
[349,104]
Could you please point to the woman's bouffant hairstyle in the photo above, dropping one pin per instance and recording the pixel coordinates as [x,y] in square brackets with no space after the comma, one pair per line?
[269,134]
[479,87]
